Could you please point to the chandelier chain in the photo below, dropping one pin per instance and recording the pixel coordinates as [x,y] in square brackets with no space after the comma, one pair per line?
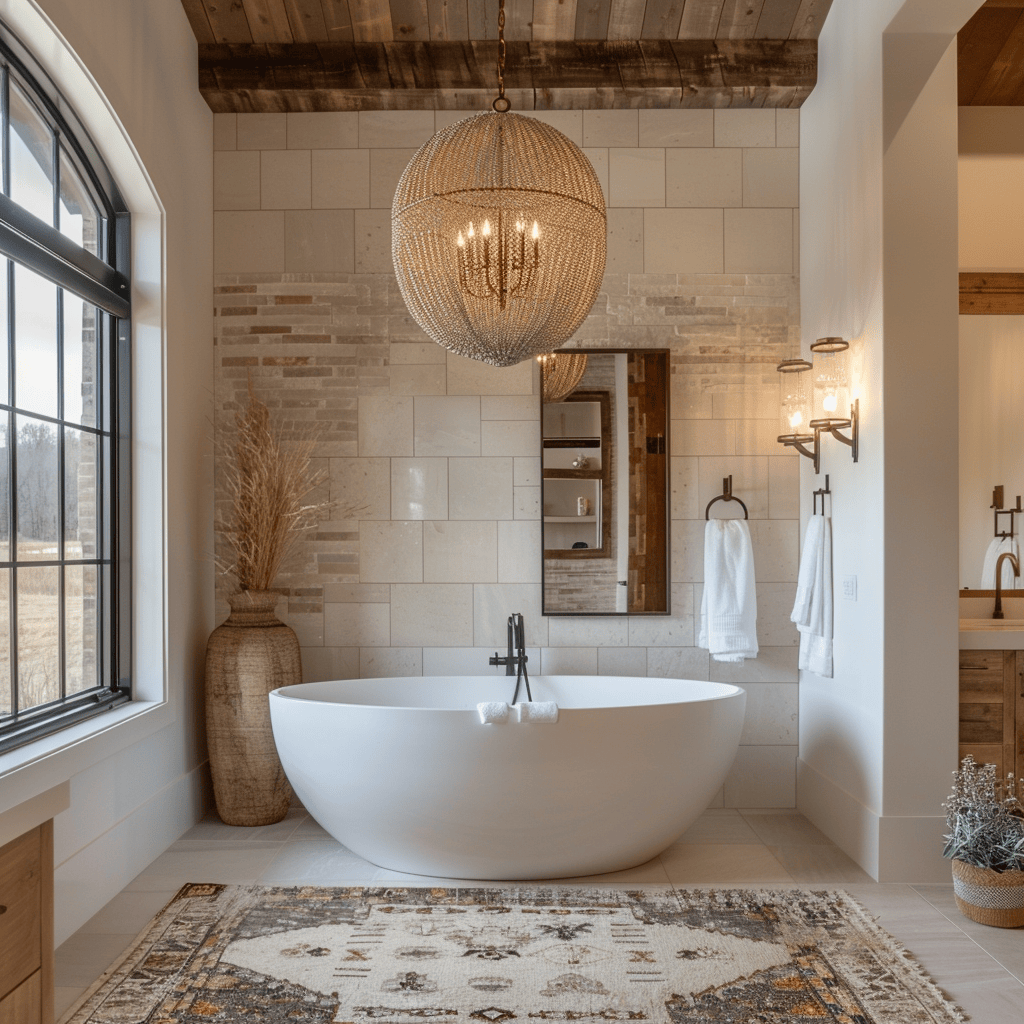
[500,99]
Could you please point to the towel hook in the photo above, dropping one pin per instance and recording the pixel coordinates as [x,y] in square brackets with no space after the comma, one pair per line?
[826,490]
[726,495]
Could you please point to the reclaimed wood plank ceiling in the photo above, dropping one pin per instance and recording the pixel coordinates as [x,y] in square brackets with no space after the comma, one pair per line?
[990,56]
[273,55]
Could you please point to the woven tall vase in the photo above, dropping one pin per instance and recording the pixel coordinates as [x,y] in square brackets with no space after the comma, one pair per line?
[249,655]
[989,897]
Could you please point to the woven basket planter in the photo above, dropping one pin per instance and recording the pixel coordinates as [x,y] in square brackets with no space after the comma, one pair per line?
[249,655]
[989,897]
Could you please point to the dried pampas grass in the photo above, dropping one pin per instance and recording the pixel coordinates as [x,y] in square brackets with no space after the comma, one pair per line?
[267,482]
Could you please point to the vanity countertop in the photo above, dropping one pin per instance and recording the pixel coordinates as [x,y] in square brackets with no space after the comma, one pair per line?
[991,634]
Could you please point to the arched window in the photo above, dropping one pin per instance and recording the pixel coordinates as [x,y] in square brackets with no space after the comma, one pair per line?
[65,617]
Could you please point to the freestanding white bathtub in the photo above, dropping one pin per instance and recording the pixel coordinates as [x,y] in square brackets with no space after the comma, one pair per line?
[403,773]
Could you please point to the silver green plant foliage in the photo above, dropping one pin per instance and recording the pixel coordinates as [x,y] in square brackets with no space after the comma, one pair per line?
[985,818]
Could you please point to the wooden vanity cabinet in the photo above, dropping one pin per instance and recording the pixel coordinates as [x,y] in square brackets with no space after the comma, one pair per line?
[992,709]
[26,928]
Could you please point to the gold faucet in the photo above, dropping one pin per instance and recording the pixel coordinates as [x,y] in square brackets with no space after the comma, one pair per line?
[1015,565]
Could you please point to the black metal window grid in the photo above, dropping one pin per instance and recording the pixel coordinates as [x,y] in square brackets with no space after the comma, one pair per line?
[65,330]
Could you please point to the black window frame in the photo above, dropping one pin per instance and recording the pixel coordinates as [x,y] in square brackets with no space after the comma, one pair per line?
[105,284]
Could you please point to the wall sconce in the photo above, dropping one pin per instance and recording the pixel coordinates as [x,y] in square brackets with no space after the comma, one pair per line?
[811,396]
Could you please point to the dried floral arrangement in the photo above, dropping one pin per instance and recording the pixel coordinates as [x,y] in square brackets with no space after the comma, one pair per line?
[268,481]
[985,818]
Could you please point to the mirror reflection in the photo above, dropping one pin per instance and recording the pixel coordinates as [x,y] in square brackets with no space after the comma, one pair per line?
[604,458]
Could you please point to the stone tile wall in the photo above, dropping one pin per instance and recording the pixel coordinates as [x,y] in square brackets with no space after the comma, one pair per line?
[441,453]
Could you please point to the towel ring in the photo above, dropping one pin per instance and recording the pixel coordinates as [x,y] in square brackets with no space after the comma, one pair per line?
[726,495]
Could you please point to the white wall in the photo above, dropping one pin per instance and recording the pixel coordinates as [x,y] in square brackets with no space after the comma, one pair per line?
[137,786]
[878,243]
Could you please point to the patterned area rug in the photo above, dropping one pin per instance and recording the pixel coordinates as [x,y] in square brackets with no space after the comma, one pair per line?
[530,954]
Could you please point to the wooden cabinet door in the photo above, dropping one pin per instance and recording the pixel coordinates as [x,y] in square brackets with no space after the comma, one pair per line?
[25,1004]
[1018,687]
[988,707]
[21,919]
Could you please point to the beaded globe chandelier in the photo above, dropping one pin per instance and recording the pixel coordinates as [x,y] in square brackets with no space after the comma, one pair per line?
[498,234]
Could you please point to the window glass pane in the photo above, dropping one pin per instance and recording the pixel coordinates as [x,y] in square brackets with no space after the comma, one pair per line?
[4,369]
[35,338]
[38,636]
[5,491]
[31,158]
[81,628]
[80,451]
[36,490]
[6,702]
[79,218]
[79,341]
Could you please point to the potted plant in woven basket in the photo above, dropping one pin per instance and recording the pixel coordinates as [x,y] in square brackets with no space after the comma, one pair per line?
[985,817]
[267,482]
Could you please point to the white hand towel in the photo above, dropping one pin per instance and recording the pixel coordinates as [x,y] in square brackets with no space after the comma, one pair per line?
[492,712]
[812,610]
[728,609]
[538,711]
[999,546]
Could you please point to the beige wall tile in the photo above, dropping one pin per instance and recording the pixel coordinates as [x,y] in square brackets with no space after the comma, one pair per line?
[576,630]
[772,665]
[324,663]
[758,241]
[704,177]
[434,614]
[526,502]
[744,128]
[472,377]
[416,353]
[784,488]
[341,179]
[690,400]
[249,242]
[519,551]
[760,437]
[386,167]
[364,483]
[285,179]
[677,662]
[465,661]
[774,605]
[704,437]
[335,129]
[749,401]
[236,180]
[683,481]
[568,122]
[510,437]
[417,379]
[611,128]
[677,128]
[308,626]
[262,131]
[391,128]
[480,488]
[443,118]
[749,482]
[373,242]
[683,241]
[687,551]
[447,426]
[419,488]
[391,552]
[762,776]
[569,661]
[460,552]
[357,625]
[319,241]
[527,472]
[510,407]
[385,425]
[787,127]
[389,662]
[771,177]
[622,661]
[776,544]
[675,630]
[625,241]
[357,593]
[225,131]
[494,603]
[598,158]
[636,177]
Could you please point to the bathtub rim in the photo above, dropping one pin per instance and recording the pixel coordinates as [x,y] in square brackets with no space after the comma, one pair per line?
[725,691]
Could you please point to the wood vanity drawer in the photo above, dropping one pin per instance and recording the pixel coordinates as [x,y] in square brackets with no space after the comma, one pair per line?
[21,926]
[25,1003]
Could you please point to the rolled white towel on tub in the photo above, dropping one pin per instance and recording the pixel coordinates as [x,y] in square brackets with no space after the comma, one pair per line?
[492,712]
[538,711]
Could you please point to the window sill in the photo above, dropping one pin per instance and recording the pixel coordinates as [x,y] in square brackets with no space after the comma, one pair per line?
[44,763]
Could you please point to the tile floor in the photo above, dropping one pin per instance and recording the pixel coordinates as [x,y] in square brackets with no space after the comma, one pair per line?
[981,968]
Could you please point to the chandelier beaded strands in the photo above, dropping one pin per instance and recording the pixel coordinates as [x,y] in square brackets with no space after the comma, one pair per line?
[498,234]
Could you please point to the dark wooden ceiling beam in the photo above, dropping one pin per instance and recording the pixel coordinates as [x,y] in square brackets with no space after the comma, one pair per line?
[257,78]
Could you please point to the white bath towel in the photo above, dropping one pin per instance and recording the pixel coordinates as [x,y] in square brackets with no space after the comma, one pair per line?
[999,546]
[492,712]
[728,609]
[812,610]
[540,711]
